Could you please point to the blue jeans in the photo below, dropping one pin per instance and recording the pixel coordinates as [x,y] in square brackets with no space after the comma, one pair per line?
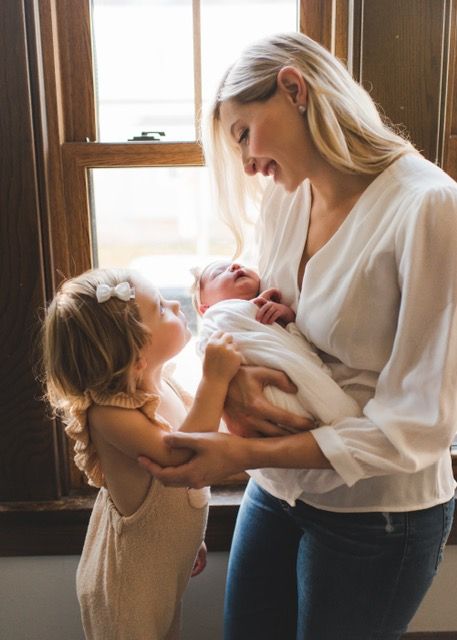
[300,573]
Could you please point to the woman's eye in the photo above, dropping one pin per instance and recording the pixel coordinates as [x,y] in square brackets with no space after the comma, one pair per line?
[161,308]
[244,136]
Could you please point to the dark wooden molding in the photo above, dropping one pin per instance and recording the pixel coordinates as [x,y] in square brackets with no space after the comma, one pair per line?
[73,21]
[28,462]
[431,635]
[59,527]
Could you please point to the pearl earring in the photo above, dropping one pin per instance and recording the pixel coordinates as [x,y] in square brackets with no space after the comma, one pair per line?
[301,109]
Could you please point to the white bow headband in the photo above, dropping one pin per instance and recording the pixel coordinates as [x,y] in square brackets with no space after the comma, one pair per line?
[123,291]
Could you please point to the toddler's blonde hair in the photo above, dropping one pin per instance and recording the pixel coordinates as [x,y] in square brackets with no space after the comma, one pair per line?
[89,347]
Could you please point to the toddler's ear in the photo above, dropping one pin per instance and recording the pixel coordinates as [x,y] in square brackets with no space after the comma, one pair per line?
[202,308]
[140,364]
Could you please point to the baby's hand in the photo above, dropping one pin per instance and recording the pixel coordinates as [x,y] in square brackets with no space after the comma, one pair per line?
[271,309]
[222,358]
[269,294]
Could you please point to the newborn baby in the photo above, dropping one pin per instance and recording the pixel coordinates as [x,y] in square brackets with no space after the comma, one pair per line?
[227,296]
[229,280]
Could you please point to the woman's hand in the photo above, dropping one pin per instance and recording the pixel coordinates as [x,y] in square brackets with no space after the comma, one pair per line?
[216,456]
[200,561]
[249,414]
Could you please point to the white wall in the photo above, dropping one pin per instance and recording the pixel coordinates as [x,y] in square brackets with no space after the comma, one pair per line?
[38,600]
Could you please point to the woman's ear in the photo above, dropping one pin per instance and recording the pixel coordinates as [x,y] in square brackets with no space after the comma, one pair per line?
[291,81]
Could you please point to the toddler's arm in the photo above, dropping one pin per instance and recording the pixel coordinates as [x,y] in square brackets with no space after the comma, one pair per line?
[271,309]
[132,433]
[221,362]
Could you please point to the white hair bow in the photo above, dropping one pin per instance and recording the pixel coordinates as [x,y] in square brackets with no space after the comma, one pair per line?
[123,291]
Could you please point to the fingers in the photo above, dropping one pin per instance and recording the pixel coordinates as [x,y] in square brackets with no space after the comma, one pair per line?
[150,466]
[259,301]
[263,312]
[253,426]
[272,294]
[169,476]
[266,429]
[263,409]
[220,337]
[277,379]
[222,357]
[221,340]
[269,313]
[200,561]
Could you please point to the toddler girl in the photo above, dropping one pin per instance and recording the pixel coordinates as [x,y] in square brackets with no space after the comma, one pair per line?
[108,335]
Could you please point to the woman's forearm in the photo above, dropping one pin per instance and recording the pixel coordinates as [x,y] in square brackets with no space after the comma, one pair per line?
[298,451]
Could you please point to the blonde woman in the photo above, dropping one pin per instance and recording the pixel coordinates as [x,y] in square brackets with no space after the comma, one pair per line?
[358,231]
[108,336]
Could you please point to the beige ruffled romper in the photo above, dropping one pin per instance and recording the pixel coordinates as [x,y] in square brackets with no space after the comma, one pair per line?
[134,570]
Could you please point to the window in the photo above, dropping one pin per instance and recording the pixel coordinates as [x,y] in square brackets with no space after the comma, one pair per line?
[160,220]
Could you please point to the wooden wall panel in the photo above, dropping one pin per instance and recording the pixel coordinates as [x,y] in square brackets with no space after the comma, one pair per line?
[74,35]
[327,22]
[402,63]
[450,132]
[27,437]
[315,20]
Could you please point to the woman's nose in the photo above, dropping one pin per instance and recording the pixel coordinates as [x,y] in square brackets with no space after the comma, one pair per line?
[250,167]
[249,164]
[175,305]
[234,266]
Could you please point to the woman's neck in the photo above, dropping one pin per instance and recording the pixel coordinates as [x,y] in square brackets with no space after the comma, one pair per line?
[333,190]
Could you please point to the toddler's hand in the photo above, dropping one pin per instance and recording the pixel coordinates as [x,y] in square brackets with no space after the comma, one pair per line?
[222,358]
[200,560]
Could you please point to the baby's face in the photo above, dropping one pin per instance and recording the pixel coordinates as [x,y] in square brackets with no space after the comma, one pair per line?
[225,281]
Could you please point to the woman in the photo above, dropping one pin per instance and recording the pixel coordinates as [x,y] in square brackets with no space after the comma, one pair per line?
[358,231]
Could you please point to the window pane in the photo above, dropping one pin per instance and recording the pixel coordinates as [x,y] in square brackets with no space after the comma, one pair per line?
[144,68]
[144,58]
[159,221]
[158,218]
[227,26]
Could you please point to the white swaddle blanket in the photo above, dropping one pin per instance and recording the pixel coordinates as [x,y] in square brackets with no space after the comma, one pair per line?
[318,395]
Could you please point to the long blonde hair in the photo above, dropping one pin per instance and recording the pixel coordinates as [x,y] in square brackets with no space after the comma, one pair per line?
[89,348]
[343,120]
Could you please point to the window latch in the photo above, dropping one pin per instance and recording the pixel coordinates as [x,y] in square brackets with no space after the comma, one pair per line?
[149,136]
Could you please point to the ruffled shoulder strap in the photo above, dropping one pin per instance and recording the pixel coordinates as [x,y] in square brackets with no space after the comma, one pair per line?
[86,458]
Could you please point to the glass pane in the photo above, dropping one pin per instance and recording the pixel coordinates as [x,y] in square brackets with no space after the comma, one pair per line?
[144,58]
[160,222]
[144,68]
[227,26]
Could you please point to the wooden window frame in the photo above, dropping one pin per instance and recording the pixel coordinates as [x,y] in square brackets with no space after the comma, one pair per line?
[46,506]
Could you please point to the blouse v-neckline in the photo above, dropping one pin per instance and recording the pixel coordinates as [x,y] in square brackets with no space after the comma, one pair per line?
[337,233]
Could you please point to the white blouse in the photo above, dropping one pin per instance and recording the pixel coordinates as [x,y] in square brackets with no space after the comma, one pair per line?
[379,301]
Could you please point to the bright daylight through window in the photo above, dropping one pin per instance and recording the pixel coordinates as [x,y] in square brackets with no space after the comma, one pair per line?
[156,64]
